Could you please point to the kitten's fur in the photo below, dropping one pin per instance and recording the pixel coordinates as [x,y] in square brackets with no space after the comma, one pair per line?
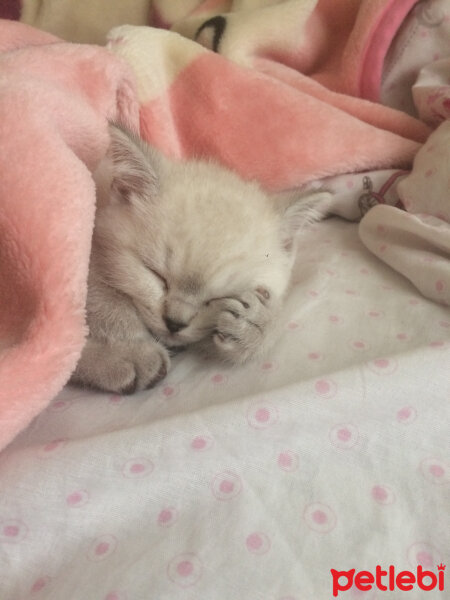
[183,253]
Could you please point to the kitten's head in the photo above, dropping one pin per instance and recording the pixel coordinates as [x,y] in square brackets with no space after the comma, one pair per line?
[176,236]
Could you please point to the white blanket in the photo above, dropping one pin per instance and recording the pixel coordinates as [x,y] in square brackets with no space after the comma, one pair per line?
[250,483]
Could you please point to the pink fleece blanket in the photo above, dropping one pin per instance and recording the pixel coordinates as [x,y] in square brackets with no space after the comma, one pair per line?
[281,93]
[55,99]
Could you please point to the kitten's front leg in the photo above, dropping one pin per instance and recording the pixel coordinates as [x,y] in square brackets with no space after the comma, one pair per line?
[244,325]
[121,367]
[120,355]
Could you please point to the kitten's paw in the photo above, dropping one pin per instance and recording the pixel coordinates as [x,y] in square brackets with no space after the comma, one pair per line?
[242,325]
[151,363]
[117,376]
[121,368]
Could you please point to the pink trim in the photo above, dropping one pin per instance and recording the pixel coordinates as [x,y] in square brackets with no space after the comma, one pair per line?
[10,9]
[392,179]
[156,20]
[208,6]
[377,45]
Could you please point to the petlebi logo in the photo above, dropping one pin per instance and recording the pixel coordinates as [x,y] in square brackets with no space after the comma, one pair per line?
[388,579]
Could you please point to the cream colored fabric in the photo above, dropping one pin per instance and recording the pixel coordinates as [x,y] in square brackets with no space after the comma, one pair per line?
[157,56]
[85,21]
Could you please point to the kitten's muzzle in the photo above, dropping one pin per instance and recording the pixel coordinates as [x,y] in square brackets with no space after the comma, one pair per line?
[178,312]
[174,326]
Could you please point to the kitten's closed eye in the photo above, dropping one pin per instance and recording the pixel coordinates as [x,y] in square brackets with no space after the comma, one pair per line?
[158,275]
[208,302]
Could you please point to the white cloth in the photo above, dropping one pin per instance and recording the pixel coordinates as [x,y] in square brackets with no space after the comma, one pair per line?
[253,482]
[423,38]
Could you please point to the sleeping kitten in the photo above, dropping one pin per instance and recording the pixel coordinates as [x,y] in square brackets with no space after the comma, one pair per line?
[183,253]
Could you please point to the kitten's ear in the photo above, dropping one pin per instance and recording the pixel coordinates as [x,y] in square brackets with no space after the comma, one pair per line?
[299,212]
[134,174]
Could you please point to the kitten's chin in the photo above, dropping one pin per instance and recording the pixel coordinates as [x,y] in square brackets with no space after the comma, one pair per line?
[171,342]
[175,341]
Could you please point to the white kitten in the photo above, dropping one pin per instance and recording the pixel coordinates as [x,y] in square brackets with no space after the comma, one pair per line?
[184,253]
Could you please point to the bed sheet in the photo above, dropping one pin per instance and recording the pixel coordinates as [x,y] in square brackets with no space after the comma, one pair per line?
[252,482]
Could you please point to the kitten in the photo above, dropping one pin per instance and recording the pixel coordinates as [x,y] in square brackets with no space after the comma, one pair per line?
[183,253]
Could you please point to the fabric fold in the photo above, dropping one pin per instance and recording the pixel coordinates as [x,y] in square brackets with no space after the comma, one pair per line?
[55,100]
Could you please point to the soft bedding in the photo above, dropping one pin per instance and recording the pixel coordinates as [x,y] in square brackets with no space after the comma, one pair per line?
[190,104]
[55,100]
[331,452]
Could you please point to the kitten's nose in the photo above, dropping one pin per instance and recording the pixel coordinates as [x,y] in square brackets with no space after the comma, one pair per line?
[173,326]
